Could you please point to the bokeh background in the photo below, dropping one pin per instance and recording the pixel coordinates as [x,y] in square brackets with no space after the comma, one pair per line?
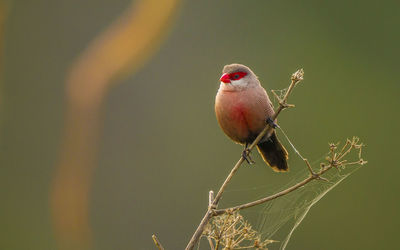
[108,133]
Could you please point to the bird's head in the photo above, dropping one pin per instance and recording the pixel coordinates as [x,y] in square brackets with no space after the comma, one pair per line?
[236,77]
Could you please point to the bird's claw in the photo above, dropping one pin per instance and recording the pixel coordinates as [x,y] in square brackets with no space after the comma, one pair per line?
[246,156]
[271,123]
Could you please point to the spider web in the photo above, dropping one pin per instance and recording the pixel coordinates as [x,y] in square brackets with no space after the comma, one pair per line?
[277,219]
[280,93]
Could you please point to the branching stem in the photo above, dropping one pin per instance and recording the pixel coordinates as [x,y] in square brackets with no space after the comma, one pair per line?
[274,196]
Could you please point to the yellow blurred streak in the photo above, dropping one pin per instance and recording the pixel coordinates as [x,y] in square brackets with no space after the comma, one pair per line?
[121,48]
[4,8]
[3,17]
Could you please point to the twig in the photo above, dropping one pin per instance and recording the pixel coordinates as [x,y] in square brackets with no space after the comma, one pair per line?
[296,77]
[211,199]
[274,196]
[333,162]
[309,167]
[210,243]
[157,242]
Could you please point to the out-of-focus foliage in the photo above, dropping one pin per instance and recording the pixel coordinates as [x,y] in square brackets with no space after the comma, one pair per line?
[160,149]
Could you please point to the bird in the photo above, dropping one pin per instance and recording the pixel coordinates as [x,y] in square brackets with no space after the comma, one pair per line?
[243,108]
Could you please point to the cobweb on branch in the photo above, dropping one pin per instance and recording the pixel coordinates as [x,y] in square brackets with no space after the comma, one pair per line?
[279,218]
[280,93]
[276,220]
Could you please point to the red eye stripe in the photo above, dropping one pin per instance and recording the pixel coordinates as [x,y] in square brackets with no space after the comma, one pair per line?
[237,75]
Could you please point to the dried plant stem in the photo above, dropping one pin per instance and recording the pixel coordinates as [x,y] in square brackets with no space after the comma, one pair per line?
[334,162]
[157,242]
[274,196]
[211,244]
[296,77]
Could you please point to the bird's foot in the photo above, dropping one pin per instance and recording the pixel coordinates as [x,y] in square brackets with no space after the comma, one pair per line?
[247,157]
[271,123]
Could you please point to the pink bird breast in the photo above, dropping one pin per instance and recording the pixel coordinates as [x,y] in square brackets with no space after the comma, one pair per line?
[232,115]
[238,116]
[242,114]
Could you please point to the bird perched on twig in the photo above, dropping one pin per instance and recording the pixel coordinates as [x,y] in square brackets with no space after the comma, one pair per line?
[242,107]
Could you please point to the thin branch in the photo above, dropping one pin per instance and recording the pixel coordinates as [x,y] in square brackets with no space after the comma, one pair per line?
[211,199]
[210,243]
[296,78]
[333,162]
[157,242]
[309,167]
[274,196]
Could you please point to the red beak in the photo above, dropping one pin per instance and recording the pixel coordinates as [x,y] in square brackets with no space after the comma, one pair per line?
[225,78]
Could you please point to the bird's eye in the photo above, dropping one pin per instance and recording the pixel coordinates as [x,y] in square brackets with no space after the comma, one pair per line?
[237,75]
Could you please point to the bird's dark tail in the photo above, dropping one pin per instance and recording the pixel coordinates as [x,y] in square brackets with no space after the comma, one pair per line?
[274,153]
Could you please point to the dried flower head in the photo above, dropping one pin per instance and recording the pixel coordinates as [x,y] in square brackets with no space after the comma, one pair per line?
[298,76]
[231,231]
[341,158]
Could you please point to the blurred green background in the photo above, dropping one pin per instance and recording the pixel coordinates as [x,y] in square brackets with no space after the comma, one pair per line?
[160,149]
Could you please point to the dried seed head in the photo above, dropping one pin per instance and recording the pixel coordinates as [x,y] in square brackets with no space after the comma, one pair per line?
[233,232]
[298,75]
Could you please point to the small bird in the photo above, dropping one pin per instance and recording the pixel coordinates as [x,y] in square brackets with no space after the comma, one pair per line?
[242,107]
